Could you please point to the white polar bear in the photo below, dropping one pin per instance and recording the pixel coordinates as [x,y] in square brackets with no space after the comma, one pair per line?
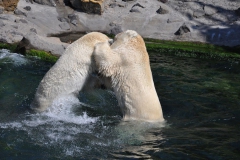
[127,64]
[70,73]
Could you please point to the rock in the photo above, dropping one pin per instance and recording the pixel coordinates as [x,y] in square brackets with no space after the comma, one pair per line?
[237,12]
[89,6]
[161,11]
[113,5]
[1,10]
[49,44]
[73,19]
[64,26]
[135,10]
[116,30]
[33,30]
[27,8]
[62,19]
[198,13]
[137,5]
[21,20]
[19,12]
[9,5]
[127,0]
[46,2]
[209,10]
[2,23]
[163,1]
[182,30]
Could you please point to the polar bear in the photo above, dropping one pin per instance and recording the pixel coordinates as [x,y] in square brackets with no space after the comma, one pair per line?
[127,64]
[70,73]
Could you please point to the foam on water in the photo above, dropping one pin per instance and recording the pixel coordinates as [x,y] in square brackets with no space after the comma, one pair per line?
[58,125]
[16,59]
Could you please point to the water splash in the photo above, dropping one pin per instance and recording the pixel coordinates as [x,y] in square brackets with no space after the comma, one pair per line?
[14,58]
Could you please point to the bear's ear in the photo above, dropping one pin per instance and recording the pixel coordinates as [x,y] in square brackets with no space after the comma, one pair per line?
[131,33]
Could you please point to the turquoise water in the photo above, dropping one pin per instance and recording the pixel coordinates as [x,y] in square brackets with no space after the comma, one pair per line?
[200,101]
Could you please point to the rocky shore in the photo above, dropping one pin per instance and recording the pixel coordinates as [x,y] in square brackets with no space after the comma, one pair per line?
[38,23]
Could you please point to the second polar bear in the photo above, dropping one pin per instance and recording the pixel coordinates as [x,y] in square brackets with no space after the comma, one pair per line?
[70,73]
[127,64]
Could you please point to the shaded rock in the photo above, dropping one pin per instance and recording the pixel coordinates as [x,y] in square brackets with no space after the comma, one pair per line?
[23,46]
[46,2]
[49,44]
[163,1]
[237,12]
[73,19]
[113,5]
[161,11]
[64,26]
[116,30]
[19,12]
[137,5]
[182,30]
[2,23]
[21,20]
[127,0]
[33,30]
[27,8]
[62,19]
[8,17]
[135,10]
[9,5]
[1,10]
[209,10]
[198,13]
[89,6]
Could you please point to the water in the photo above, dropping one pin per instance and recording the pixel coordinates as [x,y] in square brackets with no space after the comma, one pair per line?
[200,101]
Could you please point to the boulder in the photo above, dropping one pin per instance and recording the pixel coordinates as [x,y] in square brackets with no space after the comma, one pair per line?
[182,30]
[9,5]
[209,10]
[89,6]
[46,2]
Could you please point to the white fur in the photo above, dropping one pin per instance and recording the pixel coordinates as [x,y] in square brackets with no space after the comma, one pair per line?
[70,73]
[126,62]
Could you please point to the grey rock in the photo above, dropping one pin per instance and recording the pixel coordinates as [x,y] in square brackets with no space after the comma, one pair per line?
[73,19]
[46,2]
[161,11]
[21,20]
[137,5]
[64,26]
[113,5]
[49,44]
[19,12]
[27,8]
[198,13]
[210,10]
[33,30]
[116,30]
[182,30]
[62,19]
[1,9]
[15,26]
[3,40]
[163,1]
[135,10]
[2,23]
[8,17]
